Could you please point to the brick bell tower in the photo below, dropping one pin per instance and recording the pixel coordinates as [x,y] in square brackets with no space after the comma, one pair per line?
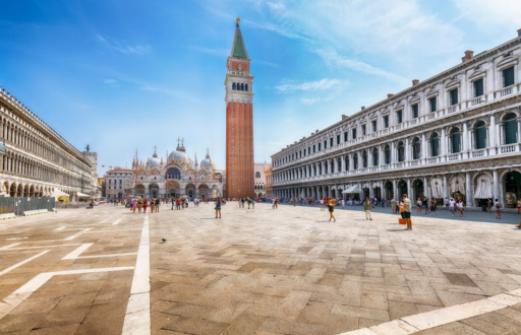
[239,121]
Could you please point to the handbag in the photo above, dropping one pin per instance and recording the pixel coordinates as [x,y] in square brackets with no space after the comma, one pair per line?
[402,221]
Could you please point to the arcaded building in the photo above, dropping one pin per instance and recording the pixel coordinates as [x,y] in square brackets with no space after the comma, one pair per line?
[37,161]
[239,121]
[455,134]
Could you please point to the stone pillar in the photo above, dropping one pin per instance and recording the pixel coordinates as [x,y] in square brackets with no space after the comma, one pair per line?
[468,190]
[443,143]
[342,158]
[465,138]
[426,188]
[394,154]
[396,196]
[492,134]
[407,152]
[423,147]
[445,187]
[495,186]
[409,189]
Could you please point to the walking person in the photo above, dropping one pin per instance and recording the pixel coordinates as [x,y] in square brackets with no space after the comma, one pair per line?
[218,204]
[172,200]
[139,204]
[145,205]
[497,205]
[158,203]
[331,208]
[367,209]
[459,207]
[394,206]
[153,205]
[452,206]
[406,211]
[518,207]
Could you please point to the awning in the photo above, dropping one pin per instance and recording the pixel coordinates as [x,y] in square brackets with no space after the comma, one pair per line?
[82,195]
[57,193]
[352,189]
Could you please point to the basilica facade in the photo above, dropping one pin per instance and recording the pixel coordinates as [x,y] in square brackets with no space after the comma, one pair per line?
[456,134]
[172,176]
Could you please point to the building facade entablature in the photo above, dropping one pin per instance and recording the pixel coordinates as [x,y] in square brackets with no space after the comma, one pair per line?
[443,121]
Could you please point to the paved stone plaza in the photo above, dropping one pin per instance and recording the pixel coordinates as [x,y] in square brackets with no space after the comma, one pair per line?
[261,271]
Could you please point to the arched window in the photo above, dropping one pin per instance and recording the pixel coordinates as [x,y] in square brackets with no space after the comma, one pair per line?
[347,162]
[339,164]
[246,87]
[387,154]
[435,145]
[234,86]
[455,140]
[416,148]
[510,128]
[364,159]
[173,173]
[242,86]
[375,157]
[401,151]
[480,135]
[257,174]
[355,161]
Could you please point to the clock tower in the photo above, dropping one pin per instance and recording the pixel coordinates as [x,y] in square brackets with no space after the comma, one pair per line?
[239,121]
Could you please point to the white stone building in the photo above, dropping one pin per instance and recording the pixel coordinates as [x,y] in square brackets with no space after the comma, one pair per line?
[178,175]
[260,178]
[35,160]
[455,134]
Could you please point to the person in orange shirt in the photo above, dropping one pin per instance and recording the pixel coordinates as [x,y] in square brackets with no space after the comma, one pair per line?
[331,208]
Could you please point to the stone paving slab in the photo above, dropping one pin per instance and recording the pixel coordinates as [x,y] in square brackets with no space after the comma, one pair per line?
[260,271]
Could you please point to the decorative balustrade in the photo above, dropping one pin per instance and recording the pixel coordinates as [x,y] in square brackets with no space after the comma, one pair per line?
[507,148]
[478,153]
[504,92]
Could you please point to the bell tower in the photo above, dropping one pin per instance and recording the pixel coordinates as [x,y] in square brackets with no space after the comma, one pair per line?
[239,120]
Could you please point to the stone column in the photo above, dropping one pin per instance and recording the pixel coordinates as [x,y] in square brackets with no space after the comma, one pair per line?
[492,134]
[426,188]
[342,158]
[495,186]
[443,143]
[409,189]
[445,187]
[407,151]
[468,190]
[396,196]
[393,153]
[465,138]
[424,147]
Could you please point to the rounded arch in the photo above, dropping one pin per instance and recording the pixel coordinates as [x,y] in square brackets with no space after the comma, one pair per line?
[12,190]
[401,151]
[375,157]
[455,139]
[172,188]
[31,191]
[402,188]
[190,190]
[20,190]
[418,189]
[364,158]
[204,191]
[387,154]
[153,190]
[173,172]
[388,190]
[511,187]
[434,142]
[139,189]
[479,130]
[509,128]
[416,148]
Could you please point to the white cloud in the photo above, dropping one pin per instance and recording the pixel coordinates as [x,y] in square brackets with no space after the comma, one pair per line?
[220,52]
[503,13]
[126,49]
[317,85]
[332,58]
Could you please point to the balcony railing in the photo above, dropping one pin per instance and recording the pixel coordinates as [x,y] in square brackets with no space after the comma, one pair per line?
[504,91]
[478,153]
[507,148]
[477,100]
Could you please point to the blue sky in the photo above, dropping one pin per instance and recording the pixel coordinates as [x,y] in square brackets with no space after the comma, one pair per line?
[125,75]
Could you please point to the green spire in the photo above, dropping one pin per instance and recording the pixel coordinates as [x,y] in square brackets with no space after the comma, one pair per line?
[238,48]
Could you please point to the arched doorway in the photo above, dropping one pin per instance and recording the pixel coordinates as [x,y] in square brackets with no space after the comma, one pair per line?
[173,173]
[139,190]
[20,191]
[365,193]
[204,192]
[31,191]
[512,187]
[389,192]
[190,190]
[12,190]
[215,192]
[153,190]
[402,188]
[333,193]
[377,191]
[172,188]
[418,189]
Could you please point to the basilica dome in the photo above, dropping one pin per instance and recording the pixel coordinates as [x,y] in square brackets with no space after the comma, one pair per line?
[177,157]
[206,163]
[154,162]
